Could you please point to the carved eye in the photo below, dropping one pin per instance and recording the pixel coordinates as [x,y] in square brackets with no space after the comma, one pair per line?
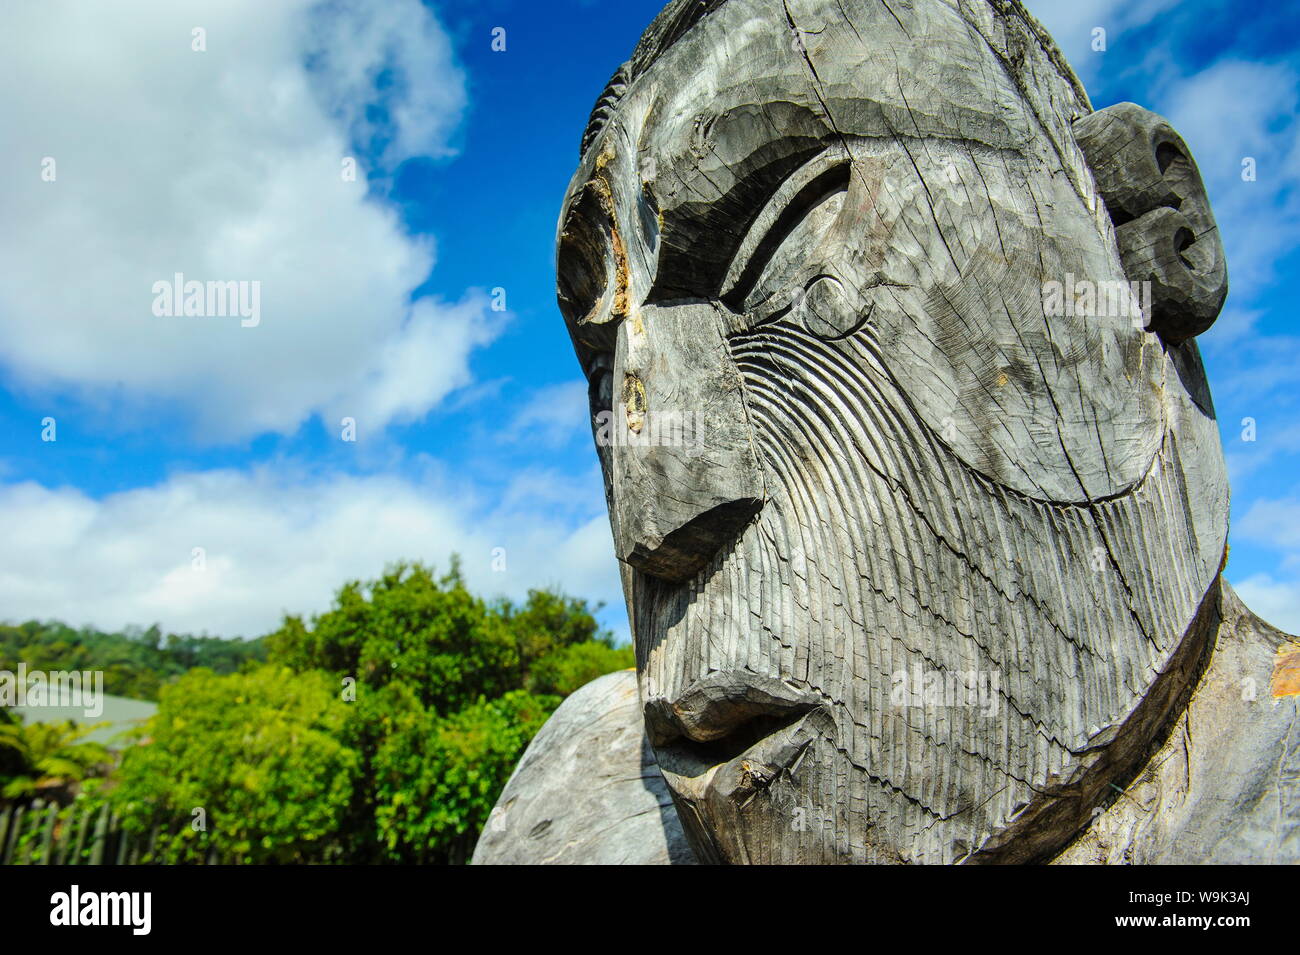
[776,269]
[585,258]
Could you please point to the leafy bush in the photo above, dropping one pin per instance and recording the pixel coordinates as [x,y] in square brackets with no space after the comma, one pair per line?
[258,755]
[37,756]
[566,669]
[429,633]
[381,731]
[438,779]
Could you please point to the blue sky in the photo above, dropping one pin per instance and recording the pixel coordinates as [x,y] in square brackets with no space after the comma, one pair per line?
[182,434]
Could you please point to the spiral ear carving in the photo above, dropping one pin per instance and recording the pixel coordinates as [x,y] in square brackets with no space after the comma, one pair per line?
[1165,228]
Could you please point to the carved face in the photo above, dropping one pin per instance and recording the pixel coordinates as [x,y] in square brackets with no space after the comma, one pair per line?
[943,510]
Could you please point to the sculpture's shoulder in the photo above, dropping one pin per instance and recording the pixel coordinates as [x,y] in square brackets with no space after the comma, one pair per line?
[587,790]
[1225,786]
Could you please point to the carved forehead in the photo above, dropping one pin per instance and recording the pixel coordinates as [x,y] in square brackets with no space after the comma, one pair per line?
[956,66]
[706,126]
[734,92]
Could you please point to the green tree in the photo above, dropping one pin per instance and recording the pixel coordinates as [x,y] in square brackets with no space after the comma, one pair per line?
[40,756]
[258,754]
[135,663]
[438,779]
[381,730]
[408,625]
[548,622]
[565,669]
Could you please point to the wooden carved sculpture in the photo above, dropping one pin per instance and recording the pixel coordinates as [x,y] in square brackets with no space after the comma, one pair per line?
[937,565]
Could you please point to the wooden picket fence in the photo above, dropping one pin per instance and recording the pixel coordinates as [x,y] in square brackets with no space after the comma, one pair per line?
[39,834]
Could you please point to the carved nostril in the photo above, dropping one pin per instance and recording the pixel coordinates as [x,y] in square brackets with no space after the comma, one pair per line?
[1166,155]
[1184,239]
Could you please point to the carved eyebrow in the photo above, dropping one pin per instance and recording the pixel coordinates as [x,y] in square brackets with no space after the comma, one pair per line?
[793,200]
[699,239]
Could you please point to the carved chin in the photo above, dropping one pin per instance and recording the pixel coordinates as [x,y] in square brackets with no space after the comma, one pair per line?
[897,660]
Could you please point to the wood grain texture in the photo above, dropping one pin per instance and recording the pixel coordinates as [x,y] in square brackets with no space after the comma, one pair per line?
[1221,785]
[944,558]
[1224,787]
[587,790]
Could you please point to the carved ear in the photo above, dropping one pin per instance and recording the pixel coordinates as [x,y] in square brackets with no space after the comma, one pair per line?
[1166,231]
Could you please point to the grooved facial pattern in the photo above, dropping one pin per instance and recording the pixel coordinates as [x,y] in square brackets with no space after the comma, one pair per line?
[879,553]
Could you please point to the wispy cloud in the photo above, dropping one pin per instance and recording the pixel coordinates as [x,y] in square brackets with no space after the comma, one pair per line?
[552,416]
[1072,24]
[384,70]
[1274,524]
[276,539]
[143,157]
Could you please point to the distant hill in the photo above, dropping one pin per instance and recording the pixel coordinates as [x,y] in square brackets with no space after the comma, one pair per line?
[136,663]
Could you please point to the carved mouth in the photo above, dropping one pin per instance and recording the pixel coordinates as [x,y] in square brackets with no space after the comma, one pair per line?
[733,733]
[688,754]
[745,762]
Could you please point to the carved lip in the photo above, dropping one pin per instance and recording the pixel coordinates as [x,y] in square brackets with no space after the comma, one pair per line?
[727,709]
[740,766]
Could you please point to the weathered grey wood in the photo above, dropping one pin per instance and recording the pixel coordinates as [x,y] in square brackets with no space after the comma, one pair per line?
[1225,786]
[1164,224]
[587,790]
[100,836]
[940,451]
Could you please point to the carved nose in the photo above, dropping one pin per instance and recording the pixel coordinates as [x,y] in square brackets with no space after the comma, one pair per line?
[726,704]
[686,478]
[682,553]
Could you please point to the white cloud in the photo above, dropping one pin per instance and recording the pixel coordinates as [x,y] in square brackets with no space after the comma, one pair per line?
[414,369]
[553,415]
[225,165]
[275,540]
[362,46]
[1274,436]
[1227,112]
[1274,522]
[1275,596]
